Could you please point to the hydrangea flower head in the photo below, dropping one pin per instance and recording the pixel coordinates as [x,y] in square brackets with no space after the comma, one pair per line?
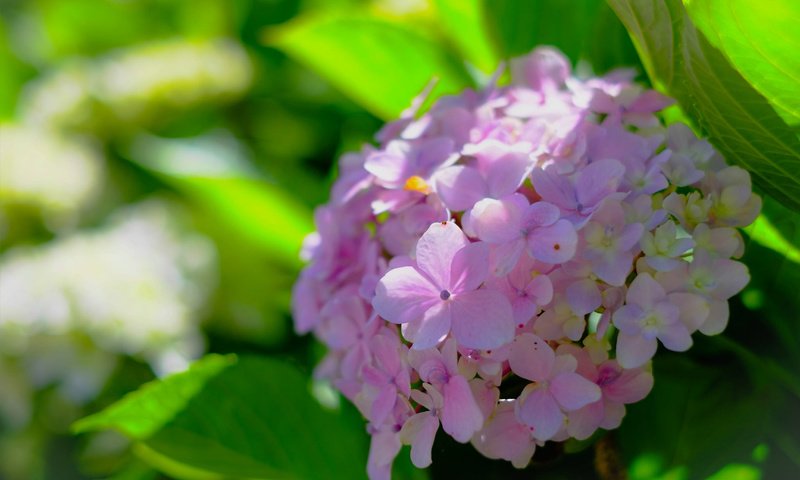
[505,265]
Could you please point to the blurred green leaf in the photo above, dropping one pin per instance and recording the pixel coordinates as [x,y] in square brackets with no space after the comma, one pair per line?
[380,64]
[738,119]
[582,29]
[463,21]
[212,172]
[697,420]
[225,417]
[762,41]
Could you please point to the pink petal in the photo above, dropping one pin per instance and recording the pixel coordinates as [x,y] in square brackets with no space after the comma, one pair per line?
[537,407]
[419,431]
[541,214]
[554,188]
[460,187]
[382,450]
[675,337]
[628,319]
[482,319]
[383,404]
[584,296]
[431,328]
[531,357]
[506,174]
[436,249]
[630,387]
[469,269]
[403,295]
[461,417]
[503,257]
[497,221]
[553,244]
[505,437]
[585,421]
[597,180]
[572,391]
[717,320]
[634,350]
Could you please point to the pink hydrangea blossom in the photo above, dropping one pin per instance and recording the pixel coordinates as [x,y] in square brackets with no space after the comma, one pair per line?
[473,270]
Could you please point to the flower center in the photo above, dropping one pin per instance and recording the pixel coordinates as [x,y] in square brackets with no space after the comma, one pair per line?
[444,294]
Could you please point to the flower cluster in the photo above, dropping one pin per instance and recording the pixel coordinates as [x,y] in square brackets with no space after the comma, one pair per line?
[514,235]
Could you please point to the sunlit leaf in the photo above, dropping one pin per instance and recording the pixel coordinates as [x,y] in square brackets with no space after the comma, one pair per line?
[464,22]
[762,41]
[210,171]
[582,29]
[737,118]
[225,417]
[380,64]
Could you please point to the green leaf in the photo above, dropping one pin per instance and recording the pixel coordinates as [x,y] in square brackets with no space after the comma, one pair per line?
[462,20]
[739,121]
[762,41]
[212,171]
[697,420]
[582,29]
[225,417]
[382,65]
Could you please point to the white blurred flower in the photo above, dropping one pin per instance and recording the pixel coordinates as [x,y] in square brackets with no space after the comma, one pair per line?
[42,168]
[139,82]
[135,287]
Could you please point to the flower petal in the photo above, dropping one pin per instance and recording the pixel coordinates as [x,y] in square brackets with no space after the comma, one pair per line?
[553,244]
[461,417]
[419,432]
[634,350]
[537,407]
[572,391]
[482,319]
[436,249]
[431,328]
[460,187]
[403,295]
[531,357]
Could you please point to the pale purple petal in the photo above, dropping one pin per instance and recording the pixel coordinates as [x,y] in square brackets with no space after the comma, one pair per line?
[431,328]
[717,319]
[540,214]
[630,387]
[645,291]
[675,337]
[628,319]
[553,244]
[482,319]
[585,421]
[383,404]
[497,221]
[506,174]
[694,309]
[460,187]
[419,431]
[461,417]
[634,350]
[469,269]
[436,250]
[404,295]
[537,407]
[531,357]
[572,391]
[584,297]
[554,188]
[382,450]
[597,180]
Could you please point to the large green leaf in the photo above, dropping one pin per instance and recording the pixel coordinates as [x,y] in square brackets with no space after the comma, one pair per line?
[582,29]
[762,41]
[380,64]
[697,420]
[737,118]
[211,171]
[250,417]
[463,21]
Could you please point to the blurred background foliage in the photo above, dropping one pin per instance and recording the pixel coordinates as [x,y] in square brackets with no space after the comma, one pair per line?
[161,160]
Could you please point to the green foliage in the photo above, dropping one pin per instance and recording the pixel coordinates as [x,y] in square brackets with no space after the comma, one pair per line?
[582,29]
[380,64]
[218,179]
[250,417]
[761,40]
[739,121]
